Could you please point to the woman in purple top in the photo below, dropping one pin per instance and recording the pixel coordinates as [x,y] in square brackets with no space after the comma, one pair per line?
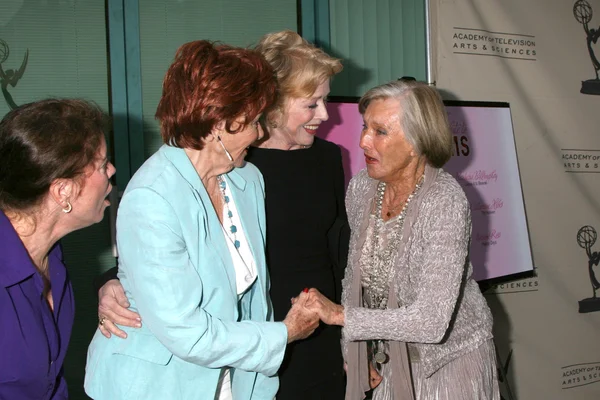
[54,179]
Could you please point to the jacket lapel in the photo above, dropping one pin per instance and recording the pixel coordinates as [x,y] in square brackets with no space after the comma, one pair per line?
[214,235]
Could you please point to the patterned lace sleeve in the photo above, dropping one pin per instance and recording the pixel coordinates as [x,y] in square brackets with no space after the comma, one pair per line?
[443,229]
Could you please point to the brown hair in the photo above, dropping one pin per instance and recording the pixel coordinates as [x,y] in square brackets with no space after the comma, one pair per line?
[208,84]
[422,115]
[43,141]
[300,66]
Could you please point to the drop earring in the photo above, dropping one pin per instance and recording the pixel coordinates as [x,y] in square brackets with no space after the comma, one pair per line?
[224,149]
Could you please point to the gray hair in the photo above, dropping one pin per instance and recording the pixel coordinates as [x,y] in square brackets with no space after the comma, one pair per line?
[423,117]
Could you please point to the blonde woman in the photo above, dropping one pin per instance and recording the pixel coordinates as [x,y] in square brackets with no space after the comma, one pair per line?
[307,231]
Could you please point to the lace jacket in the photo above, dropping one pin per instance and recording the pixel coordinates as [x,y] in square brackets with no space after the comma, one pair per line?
[441,312]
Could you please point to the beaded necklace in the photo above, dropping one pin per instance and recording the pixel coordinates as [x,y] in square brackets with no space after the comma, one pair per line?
[377,261]
[232,231]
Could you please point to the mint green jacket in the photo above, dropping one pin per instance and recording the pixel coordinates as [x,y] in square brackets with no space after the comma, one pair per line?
[177,272]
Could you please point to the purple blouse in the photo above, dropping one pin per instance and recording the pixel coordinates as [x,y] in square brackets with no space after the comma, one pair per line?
[33,339]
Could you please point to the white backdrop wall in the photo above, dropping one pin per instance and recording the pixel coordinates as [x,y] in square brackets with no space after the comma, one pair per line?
[534,55]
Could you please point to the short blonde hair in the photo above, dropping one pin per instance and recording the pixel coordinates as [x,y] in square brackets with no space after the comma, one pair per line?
[423,117]
[299,66]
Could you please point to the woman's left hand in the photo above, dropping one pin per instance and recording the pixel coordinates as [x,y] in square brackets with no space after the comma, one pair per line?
[374,377]
[113,309]
[328,311]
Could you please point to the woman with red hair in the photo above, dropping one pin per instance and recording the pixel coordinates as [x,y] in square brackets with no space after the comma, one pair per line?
[191,241]
[308,233]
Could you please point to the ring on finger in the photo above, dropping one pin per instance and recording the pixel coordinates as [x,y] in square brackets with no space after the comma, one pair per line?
[101,320]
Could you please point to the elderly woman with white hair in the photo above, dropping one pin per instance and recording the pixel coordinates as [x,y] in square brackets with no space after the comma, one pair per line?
[415,324]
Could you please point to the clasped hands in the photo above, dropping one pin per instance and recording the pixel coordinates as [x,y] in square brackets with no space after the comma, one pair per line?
[303,318]
[308,308]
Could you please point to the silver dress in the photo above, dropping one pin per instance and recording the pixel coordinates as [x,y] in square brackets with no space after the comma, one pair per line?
[471,376]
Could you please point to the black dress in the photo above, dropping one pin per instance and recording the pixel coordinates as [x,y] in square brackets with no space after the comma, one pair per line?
[307,245]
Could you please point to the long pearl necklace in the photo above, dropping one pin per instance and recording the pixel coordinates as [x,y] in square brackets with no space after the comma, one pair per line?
[377,261]
[232,231]
[377,266]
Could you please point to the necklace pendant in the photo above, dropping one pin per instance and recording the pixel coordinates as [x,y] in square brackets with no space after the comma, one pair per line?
[389,214]
[380,357]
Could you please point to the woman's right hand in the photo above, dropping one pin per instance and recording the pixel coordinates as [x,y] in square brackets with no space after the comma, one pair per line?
[113,309]
[300,321]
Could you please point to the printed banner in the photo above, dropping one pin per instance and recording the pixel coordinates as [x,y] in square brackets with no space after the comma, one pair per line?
[541,57]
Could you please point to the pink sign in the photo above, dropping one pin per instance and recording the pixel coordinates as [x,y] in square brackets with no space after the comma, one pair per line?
[343,128]
[484,163]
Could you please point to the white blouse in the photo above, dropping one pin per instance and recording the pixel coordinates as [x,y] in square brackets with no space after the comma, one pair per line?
[245,270]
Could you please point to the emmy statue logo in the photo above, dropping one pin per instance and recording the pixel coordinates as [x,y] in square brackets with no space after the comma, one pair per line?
[583,14]
[586,237]
[10,76]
